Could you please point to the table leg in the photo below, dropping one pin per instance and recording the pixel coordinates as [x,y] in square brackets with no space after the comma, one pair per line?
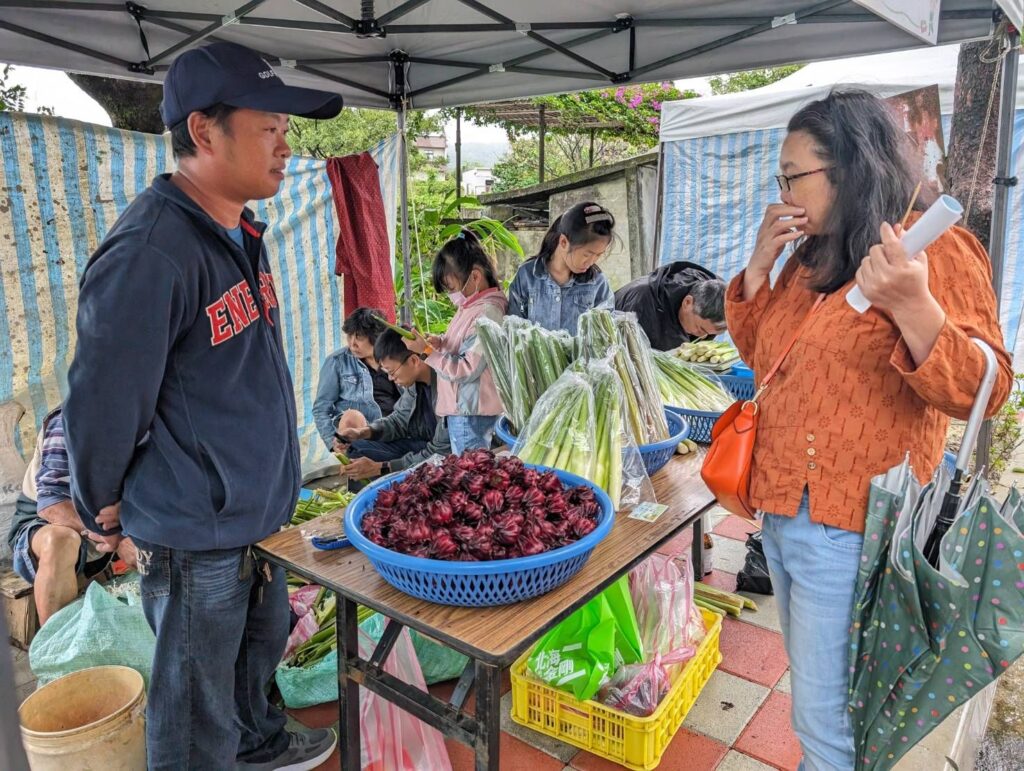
[488,716]
[697,549]
[348,689]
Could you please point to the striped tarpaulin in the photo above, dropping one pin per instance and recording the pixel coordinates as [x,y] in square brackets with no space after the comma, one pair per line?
[716,189]
[62,186]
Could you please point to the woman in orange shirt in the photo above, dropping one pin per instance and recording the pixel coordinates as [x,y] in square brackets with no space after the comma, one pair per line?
[858,391]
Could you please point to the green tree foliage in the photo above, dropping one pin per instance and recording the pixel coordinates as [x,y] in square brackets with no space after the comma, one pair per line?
[745,81]
[355,130]
[12,95]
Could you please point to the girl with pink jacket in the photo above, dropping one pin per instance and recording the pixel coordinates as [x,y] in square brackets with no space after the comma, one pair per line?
[466,396]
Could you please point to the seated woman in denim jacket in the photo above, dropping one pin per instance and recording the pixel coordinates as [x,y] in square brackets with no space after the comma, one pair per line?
[353,389]
[563,281]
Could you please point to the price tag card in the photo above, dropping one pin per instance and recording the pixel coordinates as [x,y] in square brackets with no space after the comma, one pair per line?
[647,511]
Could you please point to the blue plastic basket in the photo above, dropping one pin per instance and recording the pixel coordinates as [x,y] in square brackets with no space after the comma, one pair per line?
[654,455]
[504,431]
[477,584]
[740,386]
[657,454]
[701,423]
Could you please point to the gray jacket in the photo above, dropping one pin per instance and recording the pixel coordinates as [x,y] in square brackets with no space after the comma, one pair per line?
[414,418]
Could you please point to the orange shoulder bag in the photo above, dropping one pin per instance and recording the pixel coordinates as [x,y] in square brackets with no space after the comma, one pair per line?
[726,469]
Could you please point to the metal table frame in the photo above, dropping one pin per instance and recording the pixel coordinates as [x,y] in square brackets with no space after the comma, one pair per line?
[480,731]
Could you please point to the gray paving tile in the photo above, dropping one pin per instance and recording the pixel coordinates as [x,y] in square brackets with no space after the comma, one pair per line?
[784,684]
[728,554]
[22,671]
[556,749]
[767,613]
[725,706]
[737,761]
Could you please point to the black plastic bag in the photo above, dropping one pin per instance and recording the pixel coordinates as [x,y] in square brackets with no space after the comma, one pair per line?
[754,575]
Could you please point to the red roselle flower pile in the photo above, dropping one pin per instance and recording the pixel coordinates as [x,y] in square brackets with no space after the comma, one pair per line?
[478,507]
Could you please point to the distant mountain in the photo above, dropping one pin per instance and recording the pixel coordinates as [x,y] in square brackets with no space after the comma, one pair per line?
[478,154]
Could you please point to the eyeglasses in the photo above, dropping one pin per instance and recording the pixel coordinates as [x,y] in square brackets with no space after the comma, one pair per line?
[786,182]
[391,374]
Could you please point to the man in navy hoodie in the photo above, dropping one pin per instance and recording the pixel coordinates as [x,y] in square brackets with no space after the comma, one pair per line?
[180,417]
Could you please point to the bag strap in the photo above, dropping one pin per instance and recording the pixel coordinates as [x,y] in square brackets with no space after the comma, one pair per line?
[789,347]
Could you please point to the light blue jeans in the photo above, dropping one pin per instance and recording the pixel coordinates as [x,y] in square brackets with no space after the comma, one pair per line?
[814,575]
[470,432]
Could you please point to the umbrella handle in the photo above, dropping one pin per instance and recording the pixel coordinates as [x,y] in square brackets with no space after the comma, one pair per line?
[977,416]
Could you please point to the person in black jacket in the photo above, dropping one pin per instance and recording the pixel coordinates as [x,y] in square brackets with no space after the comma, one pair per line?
[677,303]
[180,417]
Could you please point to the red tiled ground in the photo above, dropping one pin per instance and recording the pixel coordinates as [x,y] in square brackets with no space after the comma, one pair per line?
[752,653]
[721,580]
[515,756]
[688,750]
[769,736]
[679,544]
[735,527]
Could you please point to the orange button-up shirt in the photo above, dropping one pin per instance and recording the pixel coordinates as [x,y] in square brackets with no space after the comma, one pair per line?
[848,402]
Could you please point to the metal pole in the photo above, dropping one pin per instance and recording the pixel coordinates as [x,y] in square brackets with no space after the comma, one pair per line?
[458,153]
[543,130]
[403,186]
[591,154]
[1001,201]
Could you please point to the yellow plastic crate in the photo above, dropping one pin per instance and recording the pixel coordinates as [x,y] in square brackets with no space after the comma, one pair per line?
[634,742]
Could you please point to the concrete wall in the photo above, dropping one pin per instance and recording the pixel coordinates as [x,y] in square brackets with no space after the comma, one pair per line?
[611,194]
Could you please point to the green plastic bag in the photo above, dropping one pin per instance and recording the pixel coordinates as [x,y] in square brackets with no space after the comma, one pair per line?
[93,631]
[307,686]
[586,649]
[438,662]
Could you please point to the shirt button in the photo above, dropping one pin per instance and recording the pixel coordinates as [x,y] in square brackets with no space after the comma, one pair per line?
[812,465]
[558,298]
[810,437]
[811,451]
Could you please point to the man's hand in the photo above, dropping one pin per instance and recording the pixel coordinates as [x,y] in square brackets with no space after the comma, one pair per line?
[354,434]
[361,468]
[341,447]
[109,517]
[128,553]
[105,544]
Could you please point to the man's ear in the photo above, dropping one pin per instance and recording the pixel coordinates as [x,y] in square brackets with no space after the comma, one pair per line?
[688,302]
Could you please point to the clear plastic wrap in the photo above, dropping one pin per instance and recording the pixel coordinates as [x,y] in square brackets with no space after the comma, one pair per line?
[561,431]
[671,629]
[682,385]
[618,467]
[494,343]
[638,348]
[537,358]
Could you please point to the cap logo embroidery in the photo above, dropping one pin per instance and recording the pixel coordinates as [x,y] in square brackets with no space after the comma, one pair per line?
[266,74]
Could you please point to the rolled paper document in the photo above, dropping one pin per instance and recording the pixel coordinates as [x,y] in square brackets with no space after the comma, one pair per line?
[939,218]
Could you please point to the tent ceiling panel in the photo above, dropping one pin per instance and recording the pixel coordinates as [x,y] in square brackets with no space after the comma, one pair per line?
[463,51]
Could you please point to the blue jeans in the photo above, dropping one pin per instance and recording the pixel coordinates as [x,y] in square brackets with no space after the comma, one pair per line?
[382,451]
[470,432]
[217,647]
[814,575]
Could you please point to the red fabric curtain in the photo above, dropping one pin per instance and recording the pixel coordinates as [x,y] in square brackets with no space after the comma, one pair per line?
[363,252]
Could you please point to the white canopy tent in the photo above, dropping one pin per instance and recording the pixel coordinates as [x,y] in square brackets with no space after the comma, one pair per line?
[723,150]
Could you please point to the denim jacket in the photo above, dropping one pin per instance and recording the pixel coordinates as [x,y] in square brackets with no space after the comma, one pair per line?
[535,296]
[345,384]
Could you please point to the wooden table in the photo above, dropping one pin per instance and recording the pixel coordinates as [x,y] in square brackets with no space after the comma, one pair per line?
[492,638]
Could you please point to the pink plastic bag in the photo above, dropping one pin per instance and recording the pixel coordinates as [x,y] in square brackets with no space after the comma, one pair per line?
[392,739]
[301,602]
[671,628]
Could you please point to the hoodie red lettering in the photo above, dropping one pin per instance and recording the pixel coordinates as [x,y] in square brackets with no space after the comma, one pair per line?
[233,312]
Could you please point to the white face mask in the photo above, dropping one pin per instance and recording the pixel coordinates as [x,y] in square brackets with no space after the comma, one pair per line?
[458,298]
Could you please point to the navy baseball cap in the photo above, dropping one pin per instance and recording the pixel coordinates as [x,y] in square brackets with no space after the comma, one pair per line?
[232,74]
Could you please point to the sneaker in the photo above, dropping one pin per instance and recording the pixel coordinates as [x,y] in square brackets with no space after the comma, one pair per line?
[306,750]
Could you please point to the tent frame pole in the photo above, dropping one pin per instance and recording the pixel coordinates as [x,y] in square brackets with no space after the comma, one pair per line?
[400,101]
[1001,202]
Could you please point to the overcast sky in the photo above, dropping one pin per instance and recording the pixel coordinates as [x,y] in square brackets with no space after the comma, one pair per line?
[52,88]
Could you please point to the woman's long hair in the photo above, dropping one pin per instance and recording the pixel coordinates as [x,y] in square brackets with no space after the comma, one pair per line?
[458,257]
[857,138]
[582,224]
